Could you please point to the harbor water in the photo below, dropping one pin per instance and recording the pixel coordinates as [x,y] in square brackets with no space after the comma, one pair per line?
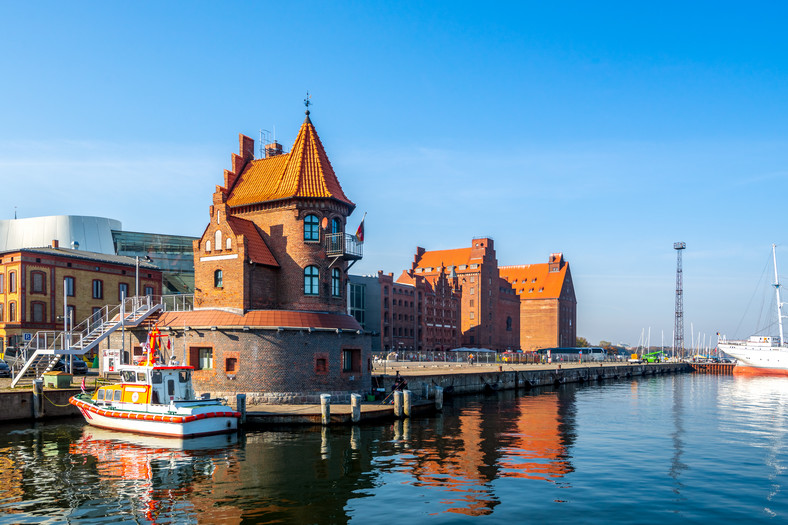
[683,448]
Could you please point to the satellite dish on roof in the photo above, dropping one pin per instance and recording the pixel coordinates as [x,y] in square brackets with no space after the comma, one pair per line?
[324,223]
[75,245]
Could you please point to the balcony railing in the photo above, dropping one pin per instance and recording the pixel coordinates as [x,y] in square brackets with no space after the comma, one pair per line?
[344,245]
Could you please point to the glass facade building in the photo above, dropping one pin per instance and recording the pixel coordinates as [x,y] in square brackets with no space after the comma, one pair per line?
[173,254]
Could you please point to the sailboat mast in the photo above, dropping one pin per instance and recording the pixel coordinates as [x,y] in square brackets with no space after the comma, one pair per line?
[777,291]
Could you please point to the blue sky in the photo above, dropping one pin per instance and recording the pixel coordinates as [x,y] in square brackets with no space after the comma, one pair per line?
[605,131]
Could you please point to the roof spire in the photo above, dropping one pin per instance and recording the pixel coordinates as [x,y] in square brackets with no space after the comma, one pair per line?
[307,102]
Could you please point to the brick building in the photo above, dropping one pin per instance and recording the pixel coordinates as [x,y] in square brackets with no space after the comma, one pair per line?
[33,282]
[271,282]
[438,310]
[489,308]
[548,307]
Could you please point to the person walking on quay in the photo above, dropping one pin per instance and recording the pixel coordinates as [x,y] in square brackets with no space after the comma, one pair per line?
[470,359]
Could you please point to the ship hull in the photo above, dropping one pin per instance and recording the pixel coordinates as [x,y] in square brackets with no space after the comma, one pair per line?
[201,421]
[754,360]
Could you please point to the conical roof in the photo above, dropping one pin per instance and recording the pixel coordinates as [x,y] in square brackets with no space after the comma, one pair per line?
[305,172]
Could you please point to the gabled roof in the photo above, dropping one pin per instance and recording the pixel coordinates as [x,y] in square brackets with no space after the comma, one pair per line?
[304,172]
[260,318]
[535,281]
[445,258]
[256,249]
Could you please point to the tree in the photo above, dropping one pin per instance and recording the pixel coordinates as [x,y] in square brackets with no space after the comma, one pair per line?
[605,344]
[581,342]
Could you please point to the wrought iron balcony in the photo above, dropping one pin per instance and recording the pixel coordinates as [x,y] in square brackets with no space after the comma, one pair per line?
[344,245]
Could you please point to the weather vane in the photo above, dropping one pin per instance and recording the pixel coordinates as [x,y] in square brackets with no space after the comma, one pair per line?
[307,102]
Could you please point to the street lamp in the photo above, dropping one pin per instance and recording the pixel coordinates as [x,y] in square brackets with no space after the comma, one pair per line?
[137,273]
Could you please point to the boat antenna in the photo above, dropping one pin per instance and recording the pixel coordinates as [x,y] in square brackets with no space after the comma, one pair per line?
[777,291]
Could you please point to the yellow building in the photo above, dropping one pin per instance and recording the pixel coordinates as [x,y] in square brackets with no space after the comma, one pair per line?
[35,281]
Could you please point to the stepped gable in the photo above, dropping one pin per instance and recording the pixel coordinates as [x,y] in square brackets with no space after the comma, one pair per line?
[538,281]
[305,172]
[256,249]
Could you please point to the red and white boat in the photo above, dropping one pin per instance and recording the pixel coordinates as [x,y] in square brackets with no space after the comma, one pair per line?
[156,399]
[761,355]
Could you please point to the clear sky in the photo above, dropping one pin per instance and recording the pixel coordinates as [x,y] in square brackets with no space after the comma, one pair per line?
[606,131]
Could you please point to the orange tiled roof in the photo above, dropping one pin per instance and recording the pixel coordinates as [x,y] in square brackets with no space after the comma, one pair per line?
[256,248]
[535,281]
[259,318]
[436,258]
[304,172]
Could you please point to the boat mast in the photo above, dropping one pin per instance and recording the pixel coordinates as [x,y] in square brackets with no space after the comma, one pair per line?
[777,291]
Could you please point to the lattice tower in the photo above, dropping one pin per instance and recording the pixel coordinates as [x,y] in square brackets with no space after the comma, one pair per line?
[678,328]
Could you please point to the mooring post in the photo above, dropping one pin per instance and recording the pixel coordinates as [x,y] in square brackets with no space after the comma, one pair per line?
[438,398]
[38,398]
[355,408]
[325,408]
[408,401]
[398,403]
[240,405]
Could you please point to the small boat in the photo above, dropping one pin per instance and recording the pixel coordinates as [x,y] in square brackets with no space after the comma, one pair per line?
[761,355]
[156,399]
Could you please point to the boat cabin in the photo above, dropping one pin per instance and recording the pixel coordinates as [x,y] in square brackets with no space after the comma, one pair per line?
[155,385]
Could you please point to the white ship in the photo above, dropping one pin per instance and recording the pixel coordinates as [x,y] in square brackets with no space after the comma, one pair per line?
[761,355]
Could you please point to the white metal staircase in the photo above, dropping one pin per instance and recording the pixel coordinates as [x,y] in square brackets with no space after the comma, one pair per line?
[46,348]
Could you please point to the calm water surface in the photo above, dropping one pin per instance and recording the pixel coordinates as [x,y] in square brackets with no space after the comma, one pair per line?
[674,449]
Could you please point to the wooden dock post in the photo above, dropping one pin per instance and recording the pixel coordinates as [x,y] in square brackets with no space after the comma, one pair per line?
[240,405]
[325,408]
[407,396]
[38,398]
[355,408]
[398,403]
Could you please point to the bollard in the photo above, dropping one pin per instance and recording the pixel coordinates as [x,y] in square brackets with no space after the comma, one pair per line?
[355,408]
[325,408]
[38,398]
[398,403]
[408,401]
[438,398]
[240,405]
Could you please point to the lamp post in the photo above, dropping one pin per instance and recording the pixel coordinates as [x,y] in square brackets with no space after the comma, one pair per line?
[137,273]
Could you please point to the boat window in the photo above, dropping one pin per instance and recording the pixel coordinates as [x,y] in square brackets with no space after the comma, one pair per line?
[140,377]
[156,377]
[117,395]
[184,376]
[170,387]
[128,376]
[101,394]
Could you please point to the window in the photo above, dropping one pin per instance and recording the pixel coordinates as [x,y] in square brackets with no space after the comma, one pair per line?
[69,286]
[218,239]
[37,282]
[11,312]
[311,274]
[72,315]
[201,358]
[336,225]
[207,246]
[336,282]
[12,282]
[231,364]
[2,282]
[98,289]
[149,290]
[123,291]
[39,313]
[217,279]
[311,228]
[473,290]
[351,360]
[1,313]
[472,315]
[229,244]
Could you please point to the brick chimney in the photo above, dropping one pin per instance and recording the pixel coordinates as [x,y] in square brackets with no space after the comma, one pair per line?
[273,149]
[55,243]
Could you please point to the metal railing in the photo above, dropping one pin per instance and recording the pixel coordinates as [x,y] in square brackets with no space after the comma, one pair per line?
[344,244]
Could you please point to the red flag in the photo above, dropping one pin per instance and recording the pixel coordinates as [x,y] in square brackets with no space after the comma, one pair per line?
[83,384]
[360,231]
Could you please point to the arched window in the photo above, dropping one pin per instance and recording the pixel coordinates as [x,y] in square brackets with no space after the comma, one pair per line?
[218,239]
[207,246]
[336,225]
[217,279]
[336,283]
[11,312]
[229,244]
[311,274]
[311,228]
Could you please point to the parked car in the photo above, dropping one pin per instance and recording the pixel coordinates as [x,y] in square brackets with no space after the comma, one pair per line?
[5,370]
[79,367]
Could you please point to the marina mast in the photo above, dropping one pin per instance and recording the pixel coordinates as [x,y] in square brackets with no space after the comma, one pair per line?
[678,330]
